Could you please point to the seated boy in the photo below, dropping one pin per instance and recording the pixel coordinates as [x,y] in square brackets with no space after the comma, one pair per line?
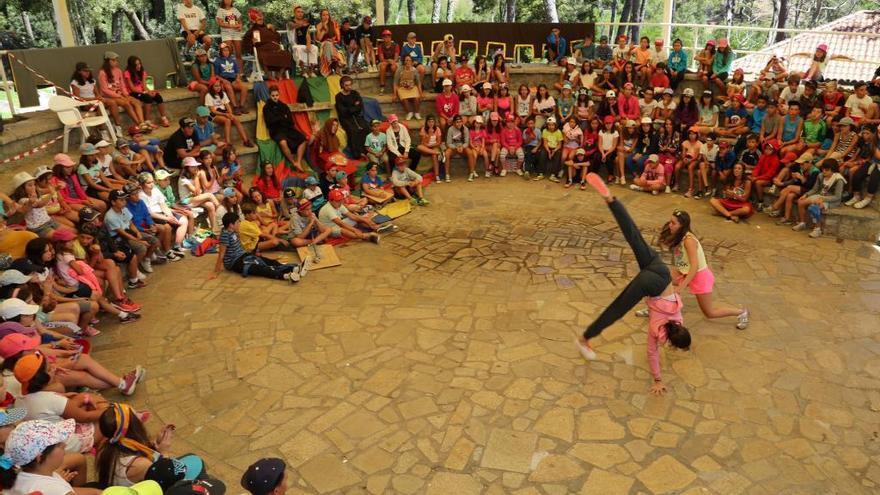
[254,238]
[376,145]
[305,227]
[407,182]
[343,223]
[232,256]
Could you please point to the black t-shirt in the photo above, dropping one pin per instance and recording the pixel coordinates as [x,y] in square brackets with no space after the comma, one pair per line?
[178,141]
[365,32]
[347,36]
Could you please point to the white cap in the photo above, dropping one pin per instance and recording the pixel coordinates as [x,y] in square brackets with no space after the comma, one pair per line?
[551,120]
[464,87]
[646,120]
[14,307]
[487,84]
[688,92]
[13,277]
[447,82]
[610,94]
[571,61]
[190,162]
[41,171]
[478,119]
[101,144]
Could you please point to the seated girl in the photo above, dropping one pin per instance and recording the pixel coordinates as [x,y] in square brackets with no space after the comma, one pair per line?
[826,193]
[221,109]
[32,205]
[735,205]
[136,84]
[128,453]
[267,213]
[191,194]
[57,207]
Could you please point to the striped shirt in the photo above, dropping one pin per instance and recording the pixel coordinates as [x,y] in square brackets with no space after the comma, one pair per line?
[234,250]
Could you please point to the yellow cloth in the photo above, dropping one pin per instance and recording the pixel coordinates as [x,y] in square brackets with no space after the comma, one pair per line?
[249,234]
[79,252]
[262,131]
[343,138]
[333,87]
[396,209]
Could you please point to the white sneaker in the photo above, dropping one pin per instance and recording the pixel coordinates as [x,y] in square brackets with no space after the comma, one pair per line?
[635,187]
[853,200]
[503,173]
[448,178]
[409,116]
[488,174]
[292,277]
[817,232]
[799,227]
[586,351]
[146,266]
[743,319]
[623,181]
[141,276]
[643,313]
[668,189]
[471,176]
[862,203]
[519,172]
[418,116]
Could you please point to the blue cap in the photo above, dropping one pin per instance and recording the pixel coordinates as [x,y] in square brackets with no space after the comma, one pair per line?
[228,192]
[311,181]
[202,111]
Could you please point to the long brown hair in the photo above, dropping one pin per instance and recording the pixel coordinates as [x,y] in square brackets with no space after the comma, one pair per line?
[672,240]
[327,138]
[109,453]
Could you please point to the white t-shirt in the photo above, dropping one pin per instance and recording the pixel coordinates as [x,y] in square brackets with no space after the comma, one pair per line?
[647,109]
[192,16]
[154,201]
[606,139]
[27,483]
[663,106]
[184,192]
[709,155]
[587,80]
[216,102]
[105,162]
[48,406]
[231,15]
[12,385]
[787,94]
[328,213]
[855,104]
[86,90]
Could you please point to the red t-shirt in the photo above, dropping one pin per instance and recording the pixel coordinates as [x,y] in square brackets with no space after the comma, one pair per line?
[447,106]
[659,80]
[464,75]
[268,187]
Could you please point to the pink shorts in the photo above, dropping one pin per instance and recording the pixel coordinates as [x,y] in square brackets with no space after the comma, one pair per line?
[702,282]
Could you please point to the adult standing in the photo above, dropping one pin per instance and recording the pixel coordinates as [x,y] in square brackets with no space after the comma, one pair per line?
[350,109]
[229,20]
[279,122]
[192,22]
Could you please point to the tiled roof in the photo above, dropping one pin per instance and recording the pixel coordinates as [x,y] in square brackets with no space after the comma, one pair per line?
[843,50]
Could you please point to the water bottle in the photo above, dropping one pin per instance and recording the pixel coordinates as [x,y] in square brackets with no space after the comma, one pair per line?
[168,84]
[149,83]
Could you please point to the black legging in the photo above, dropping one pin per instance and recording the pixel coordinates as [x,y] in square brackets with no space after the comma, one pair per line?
[861,173]
[148,98]
[269,268]
[651,281]
[549,166]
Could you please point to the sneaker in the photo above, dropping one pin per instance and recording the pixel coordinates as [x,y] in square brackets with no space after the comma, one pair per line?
[668,189]
[488,174]
[135,307]
[130,381]
[553,178]
[799,227]
[643,313]
[418,116]
[785,221]
[503,173]
[622,181]
[414,201]
[135,284]
[126,307]
[386,227]
[586,351]
[759,208]
[568,184]
[688,194]
[773,190]
[146,266]
[853,200]
[424,202]
[674,188]
[743,319]
[518,172]
[711,193]
[172,256]
[128,317]
[862,203]
[292,277]
[635,188]
[526,175]
[448,179]
[539,177]
[160,259]
[304,268]
[774,213]
[698,195]
[655,192]
[91,331]
[409,116]
[583,186]
[816,233]
[179,250]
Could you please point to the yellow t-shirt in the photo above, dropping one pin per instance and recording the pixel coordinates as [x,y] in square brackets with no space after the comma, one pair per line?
[249,234]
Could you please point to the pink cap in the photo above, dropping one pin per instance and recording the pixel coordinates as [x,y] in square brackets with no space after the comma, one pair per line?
[62,159]
[722,43]
[711,42]
[392,118]
[658,41]
[14,343]
[628,85]
[823,47]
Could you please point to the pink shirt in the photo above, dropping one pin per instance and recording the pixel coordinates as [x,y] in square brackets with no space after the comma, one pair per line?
[485,102]
[511,138]
[654,174]
[660,310]
[116,89]
[478,137]
[140,87]
[447,106]
[628,107]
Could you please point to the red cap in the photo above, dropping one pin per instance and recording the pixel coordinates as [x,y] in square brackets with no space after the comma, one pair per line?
[336,195]
[510,117]
[386,32]
[608,119]
[304,205]
[724,144]
[789,157]
[740,98]
[62,235]
[14,343]
[773,143]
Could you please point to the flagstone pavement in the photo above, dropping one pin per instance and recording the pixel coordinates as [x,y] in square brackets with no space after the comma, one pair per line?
[441,362]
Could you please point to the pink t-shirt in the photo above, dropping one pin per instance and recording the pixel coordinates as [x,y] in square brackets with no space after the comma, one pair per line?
[447,106]
[511,138]
[478,137]
[115,89]
[138,87]
[660,310]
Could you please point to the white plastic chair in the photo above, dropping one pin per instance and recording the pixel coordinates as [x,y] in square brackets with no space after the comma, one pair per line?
[68,113]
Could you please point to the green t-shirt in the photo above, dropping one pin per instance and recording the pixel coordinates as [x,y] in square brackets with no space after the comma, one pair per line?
[168,193]
[552,138]
[814,132]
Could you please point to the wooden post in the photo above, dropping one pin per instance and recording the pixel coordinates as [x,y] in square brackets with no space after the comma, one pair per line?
[62,20]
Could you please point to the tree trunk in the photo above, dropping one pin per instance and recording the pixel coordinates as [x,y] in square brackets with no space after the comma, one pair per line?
[411,11]
[116,26]
[511,10]
[638,13]
[386,9]
[782,20]
[139,32]
[550,11]
[450,10]
[625,14]
[771,35]
[435,11]
[613,15]
[817,10]
[397,14]
[100,35]
[26,20]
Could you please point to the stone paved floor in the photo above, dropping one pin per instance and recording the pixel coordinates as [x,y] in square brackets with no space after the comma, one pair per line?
[441,362]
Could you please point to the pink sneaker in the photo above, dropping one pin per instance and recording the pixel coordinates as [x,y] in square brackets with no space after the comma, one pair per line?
[91,331]
[586,351]
[598,184]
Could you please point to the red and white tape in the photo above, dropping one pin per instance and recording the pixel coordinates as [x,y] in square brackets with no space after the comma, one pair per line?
[43,79]
[32,151]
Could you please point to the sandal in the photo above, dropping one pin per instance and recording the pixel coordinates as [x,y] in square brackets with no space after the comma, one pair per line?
[583,186]
[165,122]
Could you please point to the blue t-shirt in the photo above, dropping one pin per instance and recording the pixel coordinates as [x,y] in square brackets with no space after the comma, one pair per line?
[742,113]
[140,214]
[203,133]
[757,118]
[226,67]
[677,61]
[234,250]
[789,127]
[376,181]
[415,52]
[725,161]
[114,221]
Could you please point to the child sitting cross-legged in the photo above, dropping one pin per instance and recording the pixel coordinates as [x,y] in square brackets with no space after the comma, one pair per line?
[653,177]
[408,183]
[372,186]
[342,222]
[305,227]
[233,257]
[255,237]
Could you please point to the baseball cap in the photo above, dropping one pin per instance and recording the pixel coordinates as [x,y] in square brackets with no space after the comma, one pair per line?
[773,143]
[336,195]
[63,159]
[26,368]
[711,42]
[206,485]
[13,277]
[610,94]
[130,188]
[646,120]
[14,343]
[186,122]
[630,123]
[88,214]
[202,111]
[88,149]
[608,119]
[12,415]
[20,179]
[304,205]
[479,119]
[31,438]
[551,120]
[165,472]
[565,85]
[340,175]
[228,192]
[9,327]
[688,92]
[110,55]
[823,47]
[118,194]
[41,171]
[668,91]
[200,51]
[653,158]
[121,143]
[724,144]
[189,162]
[386,32]
[571,61]
[846,121]
[410,34]
[311,180]
[465,87]
[580,151]
[14,307]
[102,144]
[62,235]
[263,476]
[628,85]
[375,122]
[146,487]
[160,174]
[488,85]
[392,118]
[658,41]
[448,82]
